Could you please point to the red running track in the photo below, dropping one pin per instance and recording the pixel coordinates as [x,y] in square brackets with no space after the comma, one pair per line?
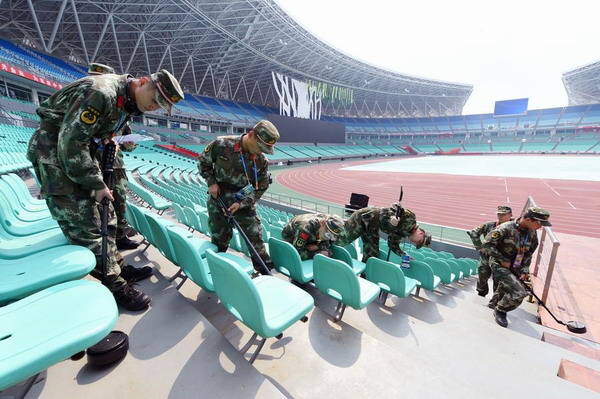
[454,200]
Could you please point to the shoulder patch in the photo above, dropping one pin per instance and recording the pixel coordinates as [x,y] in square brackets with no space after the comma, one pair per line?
[300,242]
[208,148]
[304,236]
[495,234]
[89,116]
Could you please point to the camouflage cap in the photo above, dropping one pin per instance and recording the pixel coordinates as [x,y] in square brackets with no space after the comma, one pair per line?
[539,214]
[168,91]
[503,210]
[426,240]
[335,224]
[267,135]
[99,69]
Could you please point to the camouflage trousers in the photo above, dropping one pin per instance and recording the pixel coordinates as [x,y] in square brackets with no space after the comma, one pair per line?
[484,272]
[221,233]
[120,194]
[510,292]
[369,232]
[288,235]
[79,218]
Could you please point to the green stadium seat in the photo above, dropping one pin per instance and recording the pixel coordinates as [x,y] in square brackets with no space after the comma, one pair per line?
[389,277]
[286,260]
[266,304]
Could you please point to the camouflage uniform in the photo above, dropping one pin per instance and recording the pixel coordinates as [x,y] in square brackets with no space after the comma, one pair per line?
[120,193]
[221,163]
[303,230]
[484,271]
[503,244]
[367,222]
[62,151]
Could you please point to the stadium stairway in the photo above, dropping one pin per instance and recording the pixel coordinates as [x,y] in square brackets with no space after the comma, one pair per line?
[441,344]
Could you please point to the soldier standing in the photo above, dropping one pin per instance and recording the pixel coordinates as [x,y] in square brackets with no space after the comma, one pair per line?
[229,165]
[62,150]
[395,221]
[484,271]
[510,248]
[119,175]
[313,233]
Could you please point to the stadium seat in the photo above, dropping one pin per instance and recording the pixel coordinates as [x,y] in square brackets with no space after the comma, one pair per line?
[24,276]
[12,247]
[51,325]
[441,269]
[389,277]
[286,260]
[337,280]
[421,272]
[275,231]
[342,254]
[455,268]
[266,304]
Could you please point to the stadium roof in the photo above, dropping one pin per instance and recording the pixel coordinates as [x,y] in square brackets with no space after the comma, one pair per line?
[583,84]
[224,49]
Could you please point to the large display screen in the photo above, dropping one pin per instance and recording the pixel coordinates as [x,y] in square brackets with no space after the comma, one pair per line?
[511,107]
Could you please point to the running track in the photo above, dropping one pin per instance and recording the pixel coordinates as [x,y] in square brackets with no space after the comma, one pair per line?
[454,200]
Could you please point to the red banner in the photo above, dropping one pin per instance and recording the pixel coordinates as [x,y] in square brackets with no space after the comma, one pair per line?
[16,71]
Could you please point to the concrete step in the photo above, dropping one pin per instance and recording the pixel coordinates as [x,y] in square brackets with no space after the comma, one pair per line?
[175,352]
[465,342]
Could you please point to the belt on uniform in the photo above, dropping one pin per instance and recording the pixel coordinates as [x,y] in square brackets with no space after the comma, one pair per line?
[49,127]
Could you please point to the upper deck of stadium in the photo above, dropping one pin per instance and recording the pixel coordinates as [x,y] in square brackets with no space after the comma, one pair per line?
[222,49]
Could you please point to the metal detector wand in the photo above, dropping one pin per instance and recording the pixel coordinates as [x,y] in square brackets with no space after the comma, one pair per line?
[576,327]
[398,217]
[234,223]
[108,160]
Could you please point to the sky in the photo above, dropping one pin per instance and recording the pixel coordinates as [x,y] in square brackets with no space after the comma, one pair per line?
[506,49]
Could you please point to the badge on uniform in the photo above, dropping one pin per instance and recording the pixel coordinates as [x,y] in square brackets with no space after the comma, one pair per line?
[89,116]
[495,234]
[208,147]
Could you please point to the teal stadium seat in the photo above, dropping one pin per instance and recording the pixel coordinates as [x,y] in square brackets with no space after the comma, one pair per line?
[337,280]
[24,276]
[342,254]
[390,278]
[52,325]
[286,260]
[267,305]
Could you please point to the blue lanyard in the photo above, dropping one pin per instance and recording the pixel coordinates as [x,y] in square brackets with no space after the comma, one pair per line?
[521,249]
[246,171]
[120,124]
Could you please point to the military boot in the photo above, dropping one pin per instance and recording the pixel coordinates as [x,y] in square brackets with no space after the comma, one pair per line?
[500,318]
[127,243]
[133,274]
[131,299]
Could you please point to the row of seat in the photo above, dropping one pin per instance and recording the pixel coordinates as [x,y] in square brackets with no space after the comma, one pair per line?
[38,281]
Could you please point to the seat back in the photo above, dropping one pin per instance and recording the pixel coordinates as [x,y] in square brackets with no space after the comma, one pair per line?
[342,254]
[204,223]
[275,231]
[161,238]
[351,248]
[441,269]
[336,279]
[179,214]
[190,260]
[236,291]
[387,275]
[421,271]
[144,227]
[192,218]
[285,258]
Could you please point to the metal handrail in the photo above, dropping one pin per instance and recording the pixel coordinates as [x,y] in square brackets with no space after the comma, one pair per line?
[546,233]
[437,231]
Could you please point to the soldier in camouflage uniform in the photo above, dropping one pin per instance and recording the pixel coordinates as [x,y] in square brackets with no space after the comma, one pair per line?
[62,149]
[484,271]
[230,164]
[395,221]
[313,233]
[119,176]
[510,248]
